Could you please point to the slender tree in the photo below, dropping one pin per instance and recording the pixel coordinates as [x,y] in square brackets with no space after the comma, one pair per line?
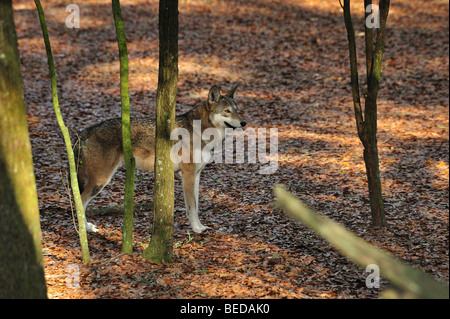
[21,262]
[367,124]
[161,243]
[127,243]
[73,172]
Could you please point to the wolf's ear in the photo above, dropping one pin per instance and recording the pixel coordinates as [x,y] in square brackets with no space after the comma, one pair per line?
[214,95]
[232,92]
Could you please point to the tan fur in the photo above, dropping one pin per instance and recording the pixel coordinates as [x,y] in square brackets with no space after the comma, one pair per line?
[99,149]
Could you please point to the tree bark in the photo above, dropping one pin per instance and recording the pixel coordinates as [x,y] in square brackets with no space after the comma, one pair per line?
[367,124]
[127,231]
[368,37]
[65,132]
[354,70]
[161,244]
[21,261]
[370,116]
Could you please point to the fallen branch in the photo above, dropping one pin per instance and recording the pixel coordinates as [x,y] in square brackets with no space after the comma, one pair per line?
[415,282]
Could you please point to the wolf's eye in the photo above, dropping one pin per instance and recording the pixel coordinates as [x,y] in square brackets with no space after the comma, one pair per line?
[227,111]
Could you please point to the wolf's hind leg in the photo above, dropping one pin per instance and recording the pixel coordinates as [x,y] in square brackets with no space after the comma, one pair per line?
[96,181]
[90,191]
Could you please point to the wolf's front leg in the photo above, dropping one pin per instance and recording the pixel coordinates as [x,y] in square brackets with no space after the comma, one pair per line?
[191,181]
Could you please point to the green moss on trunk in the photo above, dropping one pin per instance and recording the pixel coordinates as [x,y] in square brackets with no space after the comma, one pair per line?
[161,244]
[21,263]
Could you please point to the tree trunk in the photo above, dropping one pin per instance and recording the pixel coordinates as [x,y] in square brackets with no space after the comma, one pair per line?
[21,262]
[161,244]
[370,117]
[373,178]
[127,243]
[65,132]
[367,124]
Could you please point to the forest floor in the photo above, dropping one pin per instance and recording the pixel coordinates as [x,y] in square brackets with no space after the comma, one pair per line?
[291,58]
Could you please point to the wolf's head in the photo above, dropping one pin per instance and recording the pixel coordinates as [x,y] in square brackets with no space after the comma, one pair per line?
[223,112]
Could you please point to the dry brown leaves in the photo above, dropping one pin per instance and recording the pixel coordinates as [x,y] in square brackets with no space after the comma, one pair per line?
[291,58]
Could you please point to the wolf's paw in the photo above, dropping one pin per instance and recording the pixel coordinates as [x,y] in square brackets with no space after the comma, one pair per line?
[91,228]
[198,229]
